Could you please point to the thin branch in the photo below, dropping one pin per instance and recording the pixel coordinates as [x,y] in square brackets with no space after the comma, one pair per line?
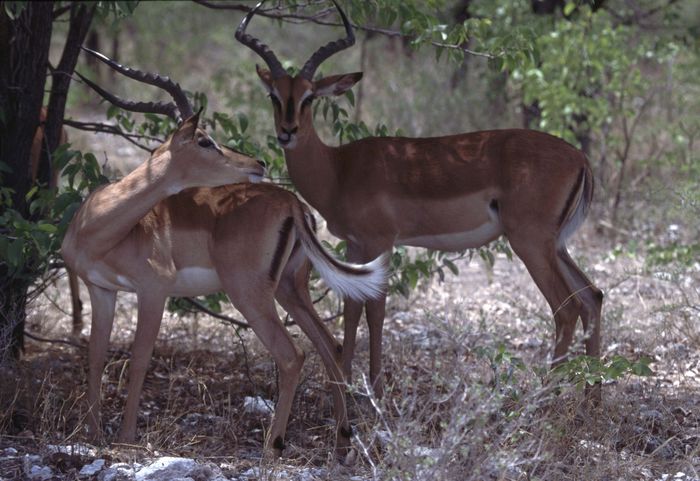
[322,296]
[111,129]
[53,341]
[60,11]
[296,18]
[201,307]
[82,345]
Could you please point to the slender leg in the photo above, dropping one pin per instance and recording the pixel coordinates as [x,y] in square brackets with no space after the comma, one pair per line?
[352,311]
[102,302]
[257,305]
[375,310]
[293,295]
[592,299]
[375,320]
[150,306]
[541,259]
[76,303]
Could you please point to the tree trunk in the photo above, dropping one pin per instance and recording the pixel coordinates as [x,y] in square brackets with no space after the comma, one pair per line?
[24,50]
[80,19]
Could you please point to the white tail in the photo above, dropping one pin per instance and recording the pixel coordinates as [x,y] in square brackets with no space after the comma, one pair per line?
[360,282]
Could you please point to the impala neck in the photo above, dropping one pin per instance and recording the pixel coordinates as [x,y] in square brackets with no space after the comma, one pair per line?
[314,170]
[110,213]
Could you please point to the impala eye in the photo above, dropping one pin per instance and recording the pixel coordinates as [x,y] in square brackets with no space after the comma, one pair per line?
[205,142]
[307,101]
[275,101]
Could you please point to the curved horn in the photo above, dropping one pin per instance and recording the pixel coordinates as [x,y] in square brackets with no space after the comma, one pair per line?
[330,48]
[169,109]
[258,47]
[173,88]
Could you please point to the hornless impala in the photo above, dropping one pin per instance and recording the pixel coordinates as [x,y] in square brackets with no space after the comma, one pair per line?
[445,193]
[158,233]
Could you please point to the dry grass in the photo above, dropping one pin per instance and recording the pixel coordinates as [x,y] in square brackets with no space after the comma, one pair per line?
[453,410]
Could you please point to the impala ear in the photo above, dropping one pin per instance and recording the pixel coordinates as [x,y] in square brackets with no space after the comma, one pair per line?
[336,84]
[188,128]
[265,76]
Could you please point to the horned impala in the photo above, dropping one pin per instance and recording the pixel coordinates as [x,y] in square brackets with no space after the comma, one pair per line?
[445,193]
[172,228]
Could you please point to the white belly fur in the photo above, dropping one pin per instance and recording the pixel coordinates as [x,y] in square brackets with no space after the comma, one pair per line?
[196,281]
[457,241]
[189,281]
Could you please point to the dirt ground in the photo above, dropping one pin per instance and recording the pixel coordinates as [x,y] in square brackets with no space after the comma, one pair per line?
[454,408]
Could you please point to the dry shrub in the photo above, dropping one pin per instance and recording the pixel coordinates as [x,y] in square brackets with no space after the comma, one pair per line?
[468,391]
[455,412]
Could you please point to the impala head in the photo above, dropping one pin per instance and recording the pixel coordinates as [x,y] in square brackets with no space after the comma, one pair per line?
[292,96]
[197,156]
[200,161]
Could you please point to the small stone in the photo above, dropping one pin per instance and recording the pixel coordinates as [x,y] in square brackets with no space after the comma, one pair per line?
[92,468]
[383,438]
[167,469]
[257,405]
[73,449]
[117,472]
[40,473]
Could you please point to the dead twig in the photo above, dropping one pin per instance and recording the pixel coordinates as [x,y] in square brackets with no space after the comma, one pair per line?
[201,307]
[316,18]
[111,129]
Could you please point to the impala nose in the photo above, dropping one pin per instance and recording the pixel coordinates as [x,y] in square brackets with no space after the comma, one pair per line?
[286,135]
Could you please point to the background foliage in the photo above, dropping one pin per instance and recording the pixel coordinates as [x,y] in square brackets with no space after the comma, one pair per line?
[616,78]
[615,81]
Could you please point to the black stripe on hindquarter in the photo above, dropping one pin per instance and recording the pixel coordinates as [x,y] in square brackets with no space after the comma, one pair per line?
[568,207]
[282,242]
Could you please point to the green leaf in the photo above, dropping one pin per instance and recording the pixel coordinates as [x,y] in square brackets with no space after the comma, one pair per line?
[243,121]
[15,255]
[50,228]
[31,192]
[351,97]
[451,266]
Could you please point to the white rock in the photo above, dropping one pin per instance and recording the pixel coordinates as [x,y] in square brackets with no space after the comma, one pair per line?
[40,473]
[79,449]
[93,468]
[312,474]
[253,472]
[108,474]
[425,452]
[117,472]
[383,438]
[257,405]
[167,469]
[10,452]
